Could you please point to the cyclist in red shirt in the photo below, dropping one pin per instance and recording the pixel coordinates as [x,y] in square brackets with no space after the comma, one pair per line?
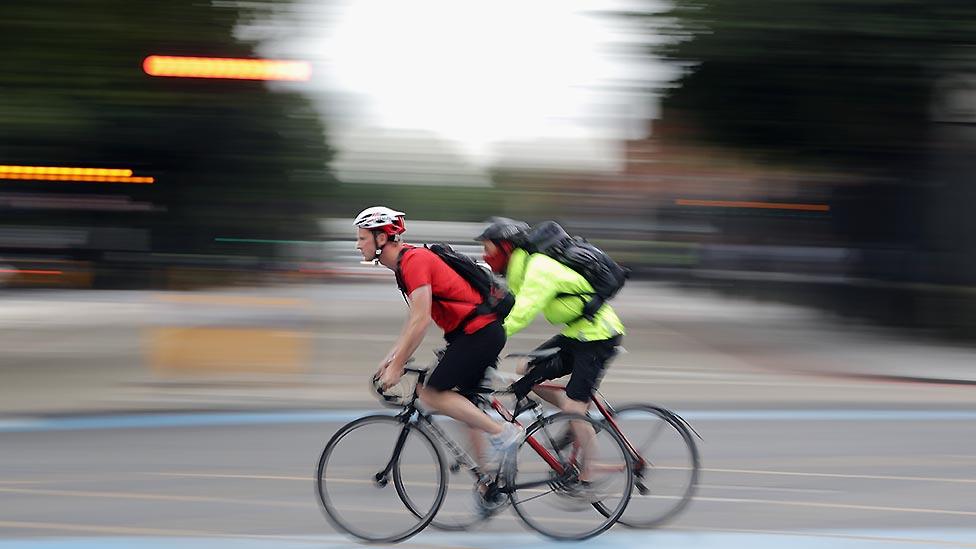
[436,292]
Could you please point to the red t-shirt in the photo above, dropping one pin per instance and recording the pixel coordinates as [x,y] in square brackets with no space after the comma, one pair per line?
[453,297]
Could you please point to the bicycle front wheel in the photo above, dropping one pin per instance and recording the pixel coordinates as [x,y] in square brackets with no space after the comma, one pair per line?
[666,464]
[355,481]
[573,477]
[460,510]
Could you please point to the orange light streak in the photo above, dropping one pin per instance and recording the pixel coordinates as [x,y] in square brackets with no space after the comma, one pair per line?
[31,272]
[52,170]
[55,173]
[751,204]
[228,68]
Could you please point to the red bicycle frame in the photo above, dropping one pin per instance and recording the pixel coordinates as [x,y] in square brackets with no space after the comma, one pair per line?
[639,462]
[535,444]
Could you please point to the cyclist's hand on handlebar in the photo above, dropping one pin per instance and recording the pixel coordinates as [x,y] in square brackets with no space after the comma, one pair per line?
[390,375]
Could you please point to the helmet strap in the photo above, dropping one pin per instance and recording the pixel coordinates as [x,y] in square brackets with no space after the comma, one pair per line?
[379,247]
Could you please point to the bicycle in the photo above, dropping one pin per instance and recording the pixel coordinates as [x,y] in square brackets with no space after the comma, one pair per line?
[661,444]
[543,481]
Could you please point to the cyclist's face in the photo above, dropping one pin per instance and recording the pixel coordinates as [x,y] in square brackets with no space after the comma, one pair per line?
[366,244]
[495,257]
[490,248]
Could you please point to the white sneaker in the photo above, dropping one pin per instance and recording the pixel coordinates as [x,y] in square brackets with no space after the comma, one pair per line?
[581,495]
[504,445]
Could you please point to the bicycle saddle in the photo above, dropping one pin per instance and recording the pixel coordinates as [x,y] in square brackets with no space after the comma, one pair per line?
[540,353]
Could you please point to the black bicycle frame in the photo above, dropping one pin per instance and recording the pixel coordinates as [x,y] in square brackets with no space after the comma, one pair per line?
[404,418]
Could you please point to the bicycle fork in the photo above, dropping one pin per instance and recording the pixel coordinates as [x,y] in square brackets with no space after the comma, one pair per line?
[382,478]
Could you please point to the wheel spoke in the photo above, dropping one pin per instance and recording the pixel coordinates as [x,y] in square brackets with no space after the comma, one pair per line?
[670,473]
[404,485]
[570,513]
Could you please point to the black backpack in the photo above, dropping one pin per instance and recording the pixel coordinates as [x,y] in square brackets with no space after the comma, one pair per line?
[592,263]
[495,296]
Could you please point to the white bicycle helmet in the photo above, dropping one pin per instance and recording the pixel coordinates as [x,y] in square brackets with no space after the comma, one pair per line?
[383,218]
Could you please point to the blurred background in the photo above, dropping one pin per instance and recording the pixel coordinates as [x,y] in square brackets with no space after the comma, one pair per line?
[789,181]
[819,152]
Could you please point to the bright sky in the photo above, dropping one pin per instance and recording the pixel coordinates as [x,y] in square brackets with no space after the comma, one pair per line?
[473,76]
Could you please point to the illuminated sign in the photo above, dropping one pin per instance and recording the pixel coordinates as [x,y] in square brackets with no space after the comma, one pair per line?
[56,173]
[227,68]
[756,205]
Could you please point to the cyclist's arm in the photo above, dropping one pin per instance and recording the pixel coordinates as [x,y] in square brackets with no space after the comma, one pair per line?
[537,290]
[396,342]
[415,327]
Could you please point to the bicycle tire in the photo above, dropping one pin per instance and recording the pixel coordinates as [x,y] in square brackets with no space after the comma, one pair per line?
[414,435]
[548,428]
[642,511]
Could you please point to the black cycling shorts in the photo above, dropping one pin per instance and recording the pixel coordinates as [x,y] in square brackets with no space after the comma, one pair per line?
[585,360]
[466,358]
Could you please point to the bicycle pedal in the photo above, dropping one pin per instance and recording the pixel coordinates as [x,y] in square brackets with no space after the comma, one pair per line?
[490,499]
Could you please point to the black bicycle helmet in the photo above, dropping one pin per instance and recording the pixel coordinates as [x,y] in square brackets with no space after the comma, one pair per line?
[503,228]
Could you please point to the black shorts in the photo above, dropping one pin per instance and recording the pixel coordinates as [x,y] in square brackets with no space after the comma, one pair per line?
[467,357]
[585,360]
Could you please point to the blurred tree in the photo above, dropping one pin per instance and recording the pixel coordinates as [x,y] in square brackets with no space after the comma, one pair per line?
[232,158]
[843,84]
[839,81]
[850,85]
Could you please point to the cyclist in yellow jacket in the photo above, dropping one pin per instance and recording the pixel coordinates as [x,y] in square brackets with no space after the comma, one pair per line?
[542,284]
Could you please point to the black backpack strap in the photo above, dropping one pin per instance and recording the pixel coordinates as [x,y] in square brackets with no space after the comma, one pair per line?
[592,303]
[479,310]
[399,276]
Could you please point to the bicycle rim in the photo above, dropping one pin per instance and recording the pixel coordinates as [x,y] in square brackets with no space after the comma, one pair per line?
[354,501]
[671,464]
[559,506]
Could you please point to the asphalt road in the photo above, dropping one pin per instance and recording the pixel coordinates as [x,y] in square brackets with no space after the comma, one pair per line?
[814,434]
[841,475]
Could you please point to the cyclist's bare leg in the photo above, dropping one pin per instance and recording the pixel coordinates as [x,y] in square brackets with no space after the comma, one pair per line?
[556,397]
[574,406]
[455,405]
[552,396]
[477,440]
[583,433]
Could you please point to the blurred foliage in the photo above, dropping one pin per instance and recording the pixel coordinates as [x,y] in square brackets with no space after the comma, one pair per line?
[847,85]
[840,81]
[232,158]
[429,202]
[514,194]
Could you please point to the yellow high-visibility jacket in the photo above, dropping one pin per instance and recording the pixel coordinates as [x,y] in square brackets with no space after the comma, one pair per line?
[542,284]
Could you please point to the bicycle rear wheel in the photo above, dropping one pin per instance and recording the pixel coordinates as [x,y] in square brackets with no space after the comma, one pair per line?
[355,481]
[668,478]
[557,503]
